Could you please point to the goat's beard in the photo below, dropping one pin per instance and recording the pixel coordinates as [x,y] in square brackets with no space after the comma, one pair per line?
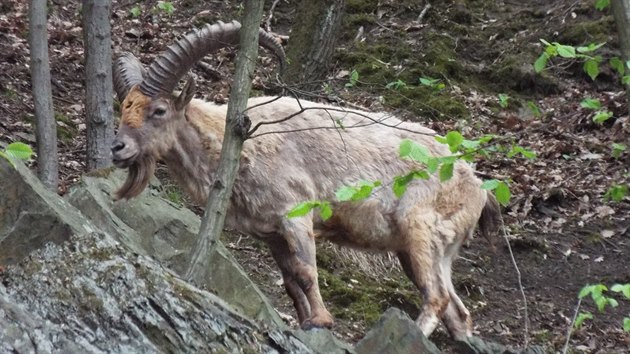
[138,177]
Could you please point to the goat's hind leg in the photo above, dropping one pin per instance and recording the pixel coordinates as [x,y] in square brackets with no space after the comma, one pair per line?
[456,318]
[419,265]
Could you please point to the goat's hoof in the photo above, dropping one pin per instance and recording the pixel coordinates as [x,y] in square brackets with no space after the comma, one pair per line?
[313,324]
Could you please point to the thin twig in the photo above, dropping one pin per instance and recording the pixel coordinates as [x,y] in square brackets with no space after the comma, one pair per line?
[268,22]
[423,12]
[570,329]
[520,283]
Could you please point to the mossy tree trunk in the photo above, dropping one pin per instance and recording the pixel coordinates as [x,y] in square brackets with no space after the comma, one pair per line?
[45,125]
[98,82]
[621,12]
[312,42]
[236,127]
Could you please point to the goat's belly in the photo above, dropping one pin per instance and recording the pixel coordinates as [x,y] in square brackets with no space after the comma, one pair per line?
[365,230]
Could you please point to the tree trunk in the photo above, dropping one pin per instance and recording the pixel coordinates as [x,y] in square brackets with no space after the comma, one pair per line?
[45,125]
[621,12]
[98,82]
[312,42]
[237,125]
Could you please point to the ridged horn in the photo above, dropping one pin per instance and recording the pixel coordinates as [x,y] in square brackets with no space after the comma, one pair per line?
[127,72]
[167,69]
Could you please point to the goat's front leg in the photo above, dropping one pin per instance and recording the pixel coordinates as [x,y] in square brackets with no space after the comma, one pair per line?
[303,267]
[282,255]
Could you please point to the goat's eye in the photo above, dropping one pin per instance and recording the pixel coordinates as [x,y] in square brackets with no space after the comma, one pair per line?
[159,112]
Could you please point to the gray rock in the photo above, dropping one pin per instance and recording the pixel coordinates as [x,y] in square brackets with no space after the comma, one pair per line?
[323,341]
[85,292]
[151,225]
[476,345]
[395,332]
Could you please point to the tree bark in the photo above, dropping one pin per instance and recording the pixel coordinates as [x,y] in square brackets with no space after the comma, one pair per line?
[237,125]
[45,125]
[98,82]
[312,42]
[621,12]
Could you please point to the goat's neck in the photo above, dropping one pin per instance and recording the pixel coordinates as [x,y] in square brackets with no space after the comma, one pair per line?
[193,158]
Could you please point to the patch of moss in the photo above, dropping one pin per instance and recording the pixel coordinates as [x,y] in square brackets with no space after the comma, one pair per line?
[360,19]
[352,295]
[361,6]
[424,102]
[101,172]
[584,32]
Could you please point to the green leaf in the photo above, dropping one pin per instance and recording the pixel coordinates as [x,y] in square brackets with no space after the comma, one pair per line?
[363,192]
[432,164]
[626,324]
[412,150]
[446,171]
[625,80]
[400,184]
[617,64]
[427,81]
[303,209]
[590,48]
[602,4]
[541,62]
[503,100]
[471,144]
[622,288]
[396,85]
[565,51]
[602,116]
[591,67]
[490,184]
[617,149]
[520,150]
[503,194]
[454,139]
[534,109]
[325,211]
[135,11]
[591,103]
[616,193]
[19,151]
[354,77]
[583,316]
[345,193]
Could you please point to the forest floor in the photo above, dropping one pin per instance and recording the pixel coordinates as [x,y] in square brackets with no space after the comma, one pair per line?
[564,232]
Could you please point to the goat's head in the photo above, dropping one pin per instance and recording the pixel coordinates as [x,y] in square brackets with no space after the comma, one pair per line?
[150,113]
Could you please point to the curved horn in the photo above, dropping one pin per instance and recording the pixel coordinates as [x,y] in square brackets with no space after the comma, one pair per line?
[127,72]
[170,66]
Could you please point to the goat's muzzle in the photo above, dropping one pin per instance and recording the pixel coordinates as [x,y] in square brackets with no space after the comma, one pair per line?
[124,151]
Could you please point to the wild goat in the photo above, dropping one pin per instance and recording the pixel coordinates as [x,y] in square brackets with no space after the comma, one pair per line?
[303,158]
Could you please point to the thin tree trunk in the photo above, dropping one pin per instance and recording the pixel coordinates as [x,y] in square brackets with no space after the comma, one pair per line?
[621,12]
[312,42]
[237,125]
[45,125]
[98,82]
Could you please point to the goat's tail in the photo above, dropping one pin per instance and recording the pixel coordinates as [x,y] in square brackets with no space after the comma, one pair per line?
[490,221]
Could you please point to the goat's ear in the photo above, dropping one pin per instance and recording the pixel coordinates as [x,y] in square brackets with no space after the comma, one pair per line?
[187,94]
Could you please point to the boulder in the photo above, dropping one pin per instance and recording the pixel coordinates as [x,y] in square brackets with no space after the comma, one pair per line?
[153,226]
[395,332]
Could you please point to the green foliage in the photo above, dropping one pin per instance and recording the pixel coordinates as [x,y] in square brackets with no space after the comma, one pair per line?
[503,100]
[434,84]
[601,116]
[354,78]
[325,211]
[165,7]
[515,150]
[596,292]
[617,149]
[355,193]
[533,107]
[583,316]
[616,193]
[602,4]
[135,11]
[500,188]
[16,150]
[396,85]
[555,49]
[591,103]
[401,182]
